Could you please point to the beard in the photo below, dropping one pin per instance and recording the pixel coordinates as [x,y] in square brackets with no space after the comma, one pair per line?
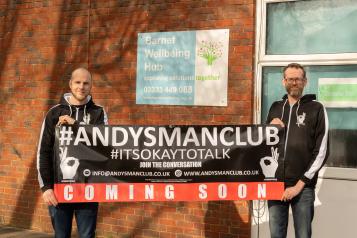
[294,92]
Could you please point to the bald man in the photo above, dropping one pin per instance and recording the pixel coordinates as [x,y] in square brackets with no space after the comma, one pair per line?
[76,107]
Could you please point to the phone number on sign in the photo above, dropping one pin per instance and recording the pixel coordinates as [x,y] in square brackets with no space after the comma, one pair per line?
[169,89]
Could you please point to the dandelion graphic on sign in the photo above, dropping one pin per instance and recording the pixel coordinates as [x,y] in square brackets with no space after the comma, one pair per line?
[210,50]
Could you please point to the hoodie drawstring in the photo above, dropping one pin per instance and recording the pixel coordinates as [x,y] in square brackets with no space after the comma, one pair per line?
[85,114]
[297,110]
[282,114]
[70,110]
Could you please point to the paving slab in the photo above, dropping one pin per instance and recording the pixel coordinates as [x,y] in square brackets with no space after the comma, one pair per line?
[12,232]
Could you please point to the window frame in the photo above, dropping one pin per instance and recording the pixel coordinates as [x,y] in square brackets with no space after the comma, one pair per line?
[262,59]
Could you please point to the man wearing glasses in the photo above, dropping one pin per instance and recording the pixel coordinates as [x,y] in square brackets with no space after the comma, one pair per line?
[301,156]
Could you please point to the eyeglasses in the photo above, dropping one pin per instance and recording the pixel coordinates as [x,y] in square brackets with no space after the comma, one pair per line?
[294,80]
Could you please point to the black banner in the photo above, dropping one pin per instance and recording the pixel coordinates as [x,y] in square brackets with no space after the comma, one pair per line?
[155,156]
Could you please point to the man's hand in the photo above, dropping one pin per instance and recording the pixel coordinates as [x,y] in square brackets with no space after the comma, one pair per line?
[277,121]
[65,120]
[49,197]
[291,192]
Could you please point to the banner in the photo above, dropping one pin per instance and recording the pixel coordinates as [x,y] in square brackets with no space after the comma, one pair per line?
[166,163]
[183,68]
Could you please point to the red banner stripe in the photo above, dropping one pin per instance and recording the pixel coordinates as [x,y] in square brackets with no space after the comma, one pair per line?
[135,192]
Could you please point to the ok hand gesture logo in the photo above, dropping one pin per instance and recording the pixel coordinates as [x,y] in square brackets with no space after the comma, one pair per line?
[269,164]
[69,165]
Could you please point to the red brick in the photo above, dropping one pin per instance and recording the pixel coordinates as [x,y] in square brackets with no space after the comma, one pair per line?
[40,45]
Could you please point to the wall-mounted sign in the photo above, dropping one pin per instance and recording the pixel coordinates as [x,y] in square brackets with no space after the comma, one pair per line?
[338,92]
[183,68]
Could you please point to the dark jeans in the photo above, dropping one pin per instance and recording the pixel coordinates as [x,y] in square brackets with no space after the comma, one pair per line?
[85,214]
[303,212]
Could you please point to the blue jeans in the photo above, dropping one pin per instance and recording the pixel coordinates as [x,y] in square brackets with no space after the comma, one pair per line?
[85,214]
[303,212]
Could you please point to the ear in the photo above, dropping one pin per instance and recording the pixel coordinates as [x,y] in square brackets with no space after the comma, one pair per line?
[70,83]
[283,82]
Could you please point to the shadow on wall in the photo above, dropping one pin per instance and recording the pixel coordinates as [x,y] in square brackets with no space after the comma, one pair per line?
[28,197]
[7,31]
[6,39]
[22,215]
[112,55]
[27,200]
[162,219]
[139,219]
[222,219]
[71,51]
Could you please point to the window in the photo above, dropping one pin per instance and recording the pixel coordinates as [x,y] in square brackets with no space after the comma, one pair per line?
[319,34]
[311,27]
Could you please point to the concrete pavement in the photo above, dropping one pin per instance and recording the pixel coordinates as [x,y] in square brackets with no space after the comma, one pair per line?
[11,232]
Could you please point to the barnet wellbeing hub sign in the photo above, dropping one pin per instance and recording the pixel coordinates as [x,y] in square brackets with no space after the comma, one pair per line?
[183,68]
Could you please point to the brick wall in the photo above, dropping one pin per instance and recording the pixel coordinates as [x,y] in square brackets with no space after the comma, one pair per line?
[41,42]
